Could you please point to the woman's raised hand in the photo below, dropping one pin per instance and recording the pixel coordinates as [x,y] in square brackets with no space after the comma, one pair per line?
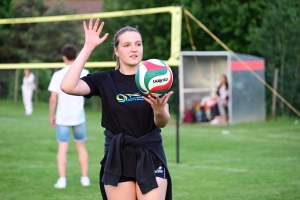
[92,33]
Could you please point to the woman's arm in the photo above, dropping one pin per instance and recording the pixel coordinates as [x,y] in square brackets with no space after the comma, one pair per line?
[160,109]
[71,83]
[161,118]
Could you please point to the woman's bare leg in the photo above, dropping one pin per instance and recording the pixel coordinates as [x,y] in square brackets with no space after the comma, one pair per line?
[124,191]
[157,193]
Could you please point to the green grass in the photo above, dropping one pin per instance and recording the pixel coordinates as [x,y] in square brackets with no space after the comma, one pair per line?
[255,161]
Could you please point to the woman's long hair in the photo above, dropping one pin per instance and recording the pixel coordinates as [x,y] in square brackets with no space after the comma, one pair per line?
[226,84]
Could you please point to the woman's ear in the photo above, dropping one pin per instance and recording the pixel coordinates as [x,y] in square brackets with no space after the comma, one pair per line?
[116,52]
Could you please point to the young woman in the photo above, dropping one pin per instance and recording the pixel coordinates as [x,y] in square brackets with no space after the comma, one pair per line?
[220,110]
[134,165]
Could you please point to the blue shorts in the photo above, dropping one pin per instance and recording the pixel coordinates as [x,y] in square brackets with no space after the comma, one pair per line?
[63,132]
[159,172]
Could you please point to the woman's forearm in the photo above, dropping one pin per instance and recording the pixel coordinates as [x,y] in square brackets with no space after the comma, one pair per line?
[161,118]
[70,83]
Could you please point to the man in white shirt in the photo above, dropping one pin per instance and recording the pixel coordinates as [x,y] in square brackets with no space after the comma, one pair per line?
[66,112]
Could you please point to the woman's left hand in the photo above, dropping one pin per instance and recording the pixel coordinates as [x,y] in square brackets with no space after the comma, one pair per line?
[157,103]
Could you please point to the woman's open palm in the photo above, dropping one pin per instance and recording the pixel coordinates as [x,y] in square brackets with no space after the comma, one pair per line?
[158,103]
[92,33]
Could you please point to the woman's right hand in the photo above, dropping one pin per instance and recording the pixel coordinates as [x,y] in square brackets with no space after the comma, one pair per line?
[92,33]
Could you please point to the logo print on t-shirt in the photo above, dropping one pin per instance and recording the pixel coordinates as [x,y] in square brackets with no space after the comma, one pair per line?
[122,98]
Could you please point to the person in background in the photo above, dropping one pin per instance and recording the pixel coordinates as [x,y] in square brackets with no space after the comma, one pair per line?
[70,115]
[220,109]
[28,87]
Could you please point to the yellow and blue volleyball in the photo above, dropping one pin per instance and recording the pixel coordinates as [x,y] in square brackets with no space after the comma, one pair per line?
[154,77]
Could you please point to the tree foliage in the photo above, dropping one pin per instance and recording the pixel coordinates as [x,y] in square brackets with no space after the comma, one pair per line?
[37,42]
[5,6]
[230,20]
[277,40]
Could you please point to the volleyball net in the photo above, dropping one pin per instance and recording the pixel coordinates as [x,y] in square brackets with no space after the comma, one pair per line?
[175,30]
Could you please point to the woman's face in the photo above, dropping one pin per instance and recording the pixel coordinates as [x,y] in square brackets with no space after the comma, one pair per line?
[223,79]
[26,72]
[129,49]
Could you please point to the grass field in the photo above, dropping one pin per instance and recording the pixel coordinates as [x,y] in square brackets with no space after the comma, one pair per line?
[255,161]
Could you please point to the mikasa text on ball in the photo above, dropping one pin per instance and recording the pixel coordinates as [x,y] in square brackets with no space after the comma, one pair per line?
[154,77]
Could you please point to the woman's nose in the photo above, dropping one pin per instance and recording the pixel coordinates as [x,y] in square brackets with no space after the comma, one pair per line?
[133,48]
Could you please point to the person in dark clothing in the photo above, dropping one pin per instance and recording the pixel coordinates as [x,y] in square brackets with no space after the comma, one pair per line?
[219,112]
[134,164]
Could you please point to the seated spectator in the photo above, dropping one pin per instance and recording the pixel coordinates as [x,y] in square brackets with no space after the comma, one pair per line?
[207,103]
[219,112]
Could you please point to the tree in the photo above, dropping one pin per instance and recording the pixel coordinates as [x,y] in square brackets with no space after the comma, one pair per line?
[230,20]
[5,6]
[277,40]
[27,42]
[38,42]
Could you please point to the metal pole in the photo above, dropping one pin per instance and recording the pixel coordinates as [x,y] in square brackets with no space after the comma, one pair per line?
[177,118]
[275,82]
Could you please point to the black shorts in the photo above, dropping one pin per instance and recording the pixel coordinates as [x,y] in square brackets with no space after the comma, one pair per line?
[159,172]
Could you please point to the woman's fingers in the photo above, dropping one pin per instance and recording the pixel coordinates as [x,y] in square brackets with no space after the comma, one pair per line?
[91,24]
[148,100]
[96,24]
[154,100]
[104,37]
[166,97]
[84,26]
[95,27]
[100,27]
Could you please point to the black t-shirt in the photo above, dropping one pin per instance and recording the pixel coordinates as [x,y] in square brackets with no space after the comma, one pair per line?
[123,109]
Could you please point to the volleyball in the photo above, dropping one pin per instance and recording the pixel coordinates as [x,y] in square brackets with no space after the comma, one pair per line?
[154,77]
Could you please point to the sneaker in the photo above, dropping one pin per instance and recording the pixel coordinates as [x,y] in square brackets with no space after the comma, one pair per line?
[214,121]
[61,183]
[85,181]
